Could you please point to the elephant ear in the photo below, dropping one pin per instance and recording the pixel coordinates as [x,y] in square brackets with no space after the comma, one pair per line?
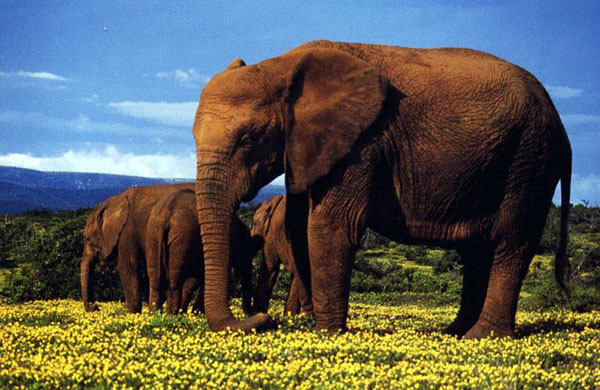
[111,220]
[335,97]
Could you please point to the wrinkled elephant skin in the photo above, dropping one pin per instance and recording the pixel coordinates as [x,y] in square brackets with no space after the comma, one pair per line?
[269,225]
[117,228]
[451,147]
[174,255]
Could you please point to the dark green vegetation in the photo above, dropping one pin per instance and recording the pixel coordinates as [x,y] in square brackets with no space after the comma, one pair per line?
[40,253]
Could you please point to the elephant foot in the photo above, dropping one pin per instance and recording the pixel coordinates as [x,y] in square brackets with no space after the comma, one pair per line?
[90,307]
[331,329]
[198,310]
[262,322]
[259,322]
[134,309]
[483,330]
[456,328]
[460,326]
[291,312]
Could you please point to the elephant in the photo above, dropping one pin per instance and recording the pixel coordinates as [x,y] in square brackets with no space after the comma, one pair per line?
[268,224]
[117,228]
[451,147]
[174,254]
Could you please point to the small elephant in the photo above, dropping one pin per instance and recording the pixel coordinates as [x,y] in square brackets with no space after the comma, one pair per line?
[268,224]
[451,147]
[174,254]
[117,228]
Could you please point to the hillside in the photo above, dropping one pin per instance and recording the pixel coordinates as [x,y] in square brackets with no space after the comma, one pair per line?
[27,189]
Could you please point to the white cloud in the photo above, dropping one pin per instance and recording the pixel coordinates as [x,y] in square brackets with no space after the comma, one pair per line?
[583,187]
[83,124]
[35,75]
[580,118]
[172,114]
[91,99]
[41,75]
[586,187]
[279,180]
[109,160]
[190,78]
[563,92]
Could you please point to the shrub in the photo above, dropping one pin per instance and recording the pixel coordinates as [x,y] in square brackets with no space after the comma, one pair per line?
[49,266]
[546,293]
[450,262]
[372,239]
[416,253]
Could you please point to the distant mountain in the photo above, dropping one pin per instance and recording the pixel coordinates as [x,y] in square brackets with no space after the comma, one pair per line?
[27,189]
[75,180]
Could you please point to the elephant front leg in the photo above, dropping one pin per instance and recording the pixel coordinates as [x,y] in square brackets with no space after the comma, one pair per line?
[292,304]
[330,253]
[155,300]
[267,276]
[174,294]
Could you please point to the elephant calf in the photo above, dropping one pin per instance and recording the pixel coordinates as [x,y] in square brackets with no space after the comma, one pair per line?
[117,228]
[174,254]
[268,224]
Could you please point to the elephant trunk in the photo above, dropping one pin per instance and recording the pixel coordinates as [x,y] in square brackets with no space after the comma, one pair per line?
[88,263]
[215,213]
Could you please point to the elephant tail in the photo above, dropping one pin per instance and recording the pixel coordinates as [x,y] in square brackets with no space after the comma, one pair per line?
[562,268]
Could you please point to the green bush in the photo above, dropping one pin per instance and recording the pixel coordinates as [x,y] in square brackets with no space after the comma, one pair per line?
[549,240]
[372,239]
[546,293]
[49,263]
[377,275]
[449,262]
[416,253]
[14,234]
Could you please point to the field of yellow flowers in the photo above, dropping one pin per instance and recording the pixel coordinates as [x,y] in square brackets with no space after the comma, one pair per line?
[395,343]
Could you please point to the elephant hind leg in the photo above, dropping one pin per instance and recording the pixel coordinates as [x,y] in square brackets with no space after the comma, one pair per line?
[130,281]
[292,304]
[189,286]
[477,262]
[507,272]
[298,301]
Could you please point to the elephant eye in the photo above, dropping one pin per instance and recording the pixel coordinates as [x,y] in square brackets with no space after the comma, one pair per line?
[245,140]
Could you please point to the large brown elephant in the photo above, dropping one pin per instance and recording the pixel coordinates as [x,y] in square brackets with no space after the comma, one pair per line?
[117,228]
[174,254]
[268,224]
[452,147]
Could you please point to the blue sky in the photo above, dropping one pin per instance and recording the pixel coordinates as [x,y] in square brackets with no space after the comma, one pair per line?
[102,86]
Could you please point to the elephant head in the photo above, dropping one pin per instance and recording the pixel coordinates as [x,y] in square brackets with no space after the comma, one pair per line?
[261,222]
[298,114]
[101,236]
